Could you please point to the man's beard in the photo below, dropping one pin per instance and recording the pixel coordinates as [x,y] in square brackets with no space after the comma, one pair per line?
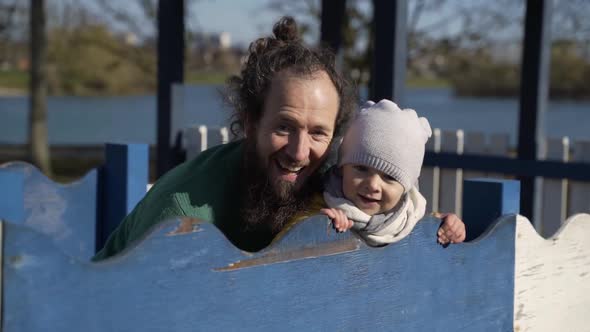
[267,207]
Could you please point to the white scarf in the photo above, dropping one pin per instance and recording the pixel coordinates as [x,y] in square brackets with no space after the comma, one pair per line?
[383,228]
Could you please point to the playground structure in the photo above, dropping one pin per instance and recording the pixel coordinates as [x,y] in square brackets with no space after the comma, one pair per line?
[185,275]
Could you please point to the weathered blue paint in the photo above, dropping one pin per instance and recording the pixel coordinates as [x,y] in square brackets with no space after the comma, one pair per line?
[12,186]
[68,214]
[122,184]
[64,213]
[485,200]
[312,279]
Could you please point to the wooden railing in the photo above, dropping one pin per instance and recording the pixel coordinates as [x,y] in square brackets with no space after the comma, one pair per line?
[185,276]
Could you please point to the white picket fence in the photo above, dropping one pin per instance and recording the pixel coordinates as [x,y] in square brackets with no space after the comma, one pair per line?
[443,188]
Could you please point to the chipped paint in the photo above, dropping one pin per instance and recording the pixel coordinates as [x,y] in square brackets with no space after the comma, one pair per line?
[181,263]
[551,274]
[46,208]
[186,225]
[273,257]
[21,261]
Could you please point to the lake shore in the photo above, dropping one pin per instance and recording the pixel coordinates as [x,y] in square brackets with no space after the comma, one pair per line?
[12,92]
[69,162]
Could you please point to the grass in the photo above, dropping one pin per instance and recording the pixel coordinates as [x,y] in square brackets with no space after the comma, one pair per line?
[14,79]
[18,80]
[422,82]
[206,77]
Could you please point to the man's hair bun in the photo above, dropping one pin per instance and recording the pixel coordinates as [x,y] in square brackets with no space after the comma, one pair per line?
[286,29]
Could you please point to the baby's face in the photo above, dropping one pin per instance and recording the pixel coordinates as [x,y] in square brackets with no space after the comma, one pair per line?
[372,191]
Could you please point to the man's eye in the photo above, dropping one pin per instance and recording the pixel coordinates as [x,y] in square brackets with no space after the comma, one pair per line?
[318,135]
[282,129]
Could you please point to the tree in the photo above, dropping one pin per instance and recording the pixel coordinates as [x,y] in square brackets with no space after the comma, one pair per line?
[357,30]
[39,147]
[12,14]
[140,18]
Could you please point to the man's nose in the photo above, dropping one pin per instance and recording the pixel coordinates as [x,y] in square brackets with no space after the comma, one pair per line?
[298,147]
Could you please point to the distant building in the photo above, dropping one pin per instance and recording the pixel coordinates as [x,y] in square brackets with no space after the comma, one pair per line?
[224,40]
[22,64]
[131,39]
[211,41]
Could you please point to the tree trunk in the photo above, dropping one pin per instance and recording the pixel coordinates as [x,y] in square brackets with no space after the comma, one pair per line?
[39,148]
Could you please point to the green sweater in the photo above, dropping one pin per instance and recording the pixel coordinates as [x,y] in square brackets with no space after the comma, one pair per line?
[206,187]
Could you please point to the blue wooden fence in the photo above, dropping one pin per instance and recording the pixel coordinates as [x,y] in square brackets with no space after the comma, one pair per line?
[186,276]
[79,216]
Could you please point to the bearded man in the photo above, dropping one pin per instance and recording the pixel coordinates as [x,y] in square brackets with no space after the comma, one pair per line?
[289,102]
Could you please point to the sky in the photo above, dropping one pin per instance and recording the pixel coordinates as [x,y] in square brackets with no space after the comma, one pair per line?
[244,20]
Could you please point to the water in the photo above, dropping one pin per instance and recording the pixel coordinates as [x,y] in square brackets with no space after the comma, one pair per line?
[90,120]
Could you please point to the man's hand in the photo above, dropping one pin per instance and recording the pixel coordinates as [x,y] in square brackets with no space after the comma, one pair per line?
[339,220]
[452,229]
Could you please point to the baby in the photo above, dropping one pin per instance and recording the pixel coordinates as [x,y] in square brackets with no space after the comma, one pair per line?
[373,187]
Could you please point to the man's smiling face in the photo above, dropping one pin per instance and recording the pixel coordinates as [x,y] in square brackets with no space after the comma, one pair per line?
[296,129]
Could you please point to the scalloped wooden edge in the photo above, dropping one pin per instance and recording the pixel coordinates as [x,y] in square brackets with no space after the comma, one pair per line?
[552,277]
[280,243]
[28,166]
[169,227]
[166,228]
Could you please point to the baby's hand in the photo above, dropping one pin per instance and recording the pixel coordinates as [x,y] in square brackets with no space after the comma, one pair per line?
[452,229]
[339,220]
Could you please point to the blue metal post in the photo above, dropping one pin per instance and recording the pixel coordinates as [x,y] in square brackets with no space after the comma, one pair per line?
[170,70]
[12,196]
[122,184]
[484,200]
[533,91]
[389,61]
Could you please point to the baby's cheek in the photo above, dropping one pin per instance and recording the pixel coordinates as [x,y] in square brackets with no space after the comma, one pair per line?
[349,188]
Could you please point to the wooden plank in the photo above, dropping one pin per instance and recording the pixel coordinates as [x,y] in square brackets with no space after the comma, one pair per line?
[1,270]
[195,140]
[451,180]
[552,277]
[485,200]
[198,138]
[579,196]
[122,184]
[64,213]
[12,195]
[216,136]
[312,278]
[429,180]
[553,191]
